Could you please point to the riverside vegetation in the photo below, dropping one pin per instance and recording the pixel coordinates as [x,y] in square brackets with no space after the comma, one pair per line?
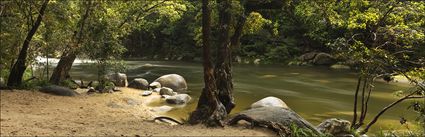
[374,39]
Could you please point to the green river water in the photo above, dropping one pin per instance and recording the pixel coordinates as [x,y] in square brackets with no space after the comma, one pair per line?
[316,93]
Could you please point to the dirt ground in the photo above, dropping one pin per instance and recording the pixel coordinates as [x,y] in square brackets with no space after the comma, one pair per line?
[25,113]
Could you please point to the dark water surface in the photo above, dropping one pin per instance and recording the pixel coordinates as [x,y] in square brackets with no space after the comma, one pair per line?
[316,93]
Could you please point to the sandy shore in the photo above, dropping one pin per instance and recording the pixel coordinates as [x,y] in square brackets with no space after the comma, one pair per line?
[25,113]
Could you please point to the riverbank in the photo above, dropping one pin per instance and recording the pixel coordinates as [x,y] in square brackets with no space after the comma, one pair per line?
[25,113]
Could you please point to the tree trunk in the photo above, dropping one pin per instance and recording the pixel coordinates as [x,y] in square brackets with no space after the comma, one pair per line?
[223,68]
[61,72]
[18,69]
[210,111]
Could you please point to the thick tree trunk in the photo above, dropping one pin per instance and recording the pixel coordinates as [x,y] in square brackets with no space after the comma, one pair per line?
[61,72]
[210,111]
[223,68]
[18,69]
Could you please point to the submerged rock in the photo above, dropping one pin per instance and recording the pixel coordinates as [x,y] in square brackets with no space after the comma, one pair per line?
[173,81]
[336,127]
[139,83]
[162,109]
[178,99]
[119,79]
[269,102]
[58,90]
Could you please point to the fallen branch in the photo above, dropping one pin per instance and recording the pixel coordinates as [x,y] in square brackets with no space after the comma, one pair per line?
[280,129]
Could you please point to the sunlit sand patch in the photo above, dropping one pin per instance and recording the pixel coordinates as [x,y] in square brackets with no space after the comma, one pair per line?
[268,76]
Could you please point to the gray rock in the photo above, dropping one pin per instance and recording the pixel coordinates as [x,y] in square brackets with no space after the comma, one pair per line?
[269,102]
[139,83]
[166,91]
[154,85]
[283,116]
[146,93]
[58,90]
[324,59]
[178,99]
[238,59]
[119,79]
[173,81]
[334,126]
[156,90]
[91,90]
[257,61]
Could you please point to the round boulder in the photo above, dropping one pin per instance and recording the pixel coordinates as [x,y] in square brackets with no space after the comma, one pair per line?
[178,99]
[269,102]
[173,81]
[155,84]
[336,127]
[166,91]
[324,59]
[119,79]
[139,83]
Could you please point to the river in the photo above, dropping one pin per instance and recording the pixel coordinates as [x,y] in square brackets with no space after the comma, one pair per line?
[316,93]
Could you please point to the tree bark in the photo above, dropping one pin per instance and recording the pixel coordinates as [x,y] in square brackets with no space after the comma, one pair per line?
[223,68]
[18,69]
[61,72]
[210,111]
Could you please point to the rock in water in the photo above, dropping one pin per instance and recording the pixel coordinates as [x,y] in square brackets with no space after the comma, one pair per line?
[58,90]
[283,116]
[139,83]
[162,109]
[178,99]
[323,59]
[269,102]
[155,85]
[307,56]
[119,79]
[146,93]
[166,91]
[173,81]
[336,127]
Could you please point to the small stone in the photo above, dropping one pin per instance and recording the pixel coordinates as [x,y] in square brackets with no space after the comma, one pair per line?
[155,85]
[146,93]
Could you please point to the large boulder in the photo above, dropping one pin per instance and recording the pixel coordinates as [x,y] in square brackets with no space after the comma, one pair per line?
[274,115]
[139,83]
[119,79]
[178,99]
[173,81]
[269,102]
[167,91]
[336,127]
[58,90]
[324,59]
